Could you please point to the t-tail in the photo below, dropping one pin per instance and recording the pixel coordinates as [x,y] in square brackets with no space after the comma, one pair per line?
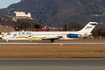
[88,28]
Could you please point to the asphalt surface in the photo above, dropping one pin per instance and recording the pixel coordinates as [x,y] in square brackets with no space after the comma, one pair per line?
[44,43]
[52,64]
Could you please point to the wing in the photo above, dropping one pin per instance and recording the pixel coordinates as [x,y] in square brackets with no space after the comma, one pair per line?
[52,37]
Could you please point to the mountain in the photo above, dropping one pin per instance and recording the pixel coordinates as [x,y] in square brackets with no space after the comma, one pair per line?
[59,12]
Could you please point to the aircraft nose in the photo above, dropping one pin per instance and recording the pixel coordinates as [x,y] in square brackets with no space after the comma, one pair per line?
[4,37]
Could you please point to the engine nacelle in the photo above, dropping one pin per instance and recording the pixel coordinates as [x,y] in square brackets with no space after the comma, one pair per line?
[74,36]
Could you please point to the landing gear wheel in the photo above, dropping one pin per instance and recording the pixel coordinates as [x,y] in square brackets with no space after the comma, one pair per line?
[52,40]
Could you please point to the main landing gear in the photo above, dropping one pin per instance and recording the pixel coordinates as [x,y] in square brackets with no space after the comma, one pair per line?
[52,40]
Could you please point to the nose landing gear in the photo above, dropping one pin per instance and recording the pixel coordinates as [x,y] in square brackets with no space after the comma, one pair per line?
[6,40]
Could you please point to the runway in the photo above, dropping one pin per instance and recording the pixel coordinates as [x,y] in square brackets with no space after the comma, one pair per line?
[52,64]
[48,43]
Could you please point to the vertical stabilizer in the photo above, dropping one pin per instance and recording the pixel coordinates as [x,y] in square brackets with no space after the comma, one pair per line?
[89,27]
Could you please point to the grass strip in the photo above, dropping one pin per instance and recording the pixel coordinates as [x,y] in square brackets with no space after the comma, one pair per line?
[52,51]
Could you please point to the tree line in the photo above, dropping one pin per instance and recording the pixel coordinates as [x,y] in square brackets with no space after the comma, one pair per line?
[25,25]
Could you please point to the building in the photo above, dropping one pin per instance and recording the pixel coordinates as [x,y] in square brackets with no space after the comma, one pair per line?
[5,29]
[21,15]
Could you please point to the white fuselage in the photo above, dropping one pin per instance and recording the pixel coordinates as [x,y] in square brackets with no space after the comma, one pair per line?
[32,35]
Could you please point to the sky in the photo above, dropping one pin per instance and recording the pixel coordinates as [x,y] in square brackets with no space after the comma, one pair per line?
[6,3]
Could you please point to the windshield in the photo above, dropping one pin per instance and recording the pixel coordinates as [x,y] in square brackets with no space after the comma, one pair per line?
[8,34]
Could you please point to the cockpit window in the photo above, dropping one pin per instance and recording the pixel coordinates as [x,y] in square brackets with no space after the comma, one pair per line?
[8,34]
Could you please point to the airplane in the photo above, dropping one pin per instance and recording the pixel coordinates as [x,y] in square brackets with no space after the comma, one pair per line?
[51,35]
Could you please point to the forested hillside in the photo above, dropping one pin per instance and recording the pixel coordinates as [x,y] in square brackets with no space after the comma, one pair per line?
[59,12]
